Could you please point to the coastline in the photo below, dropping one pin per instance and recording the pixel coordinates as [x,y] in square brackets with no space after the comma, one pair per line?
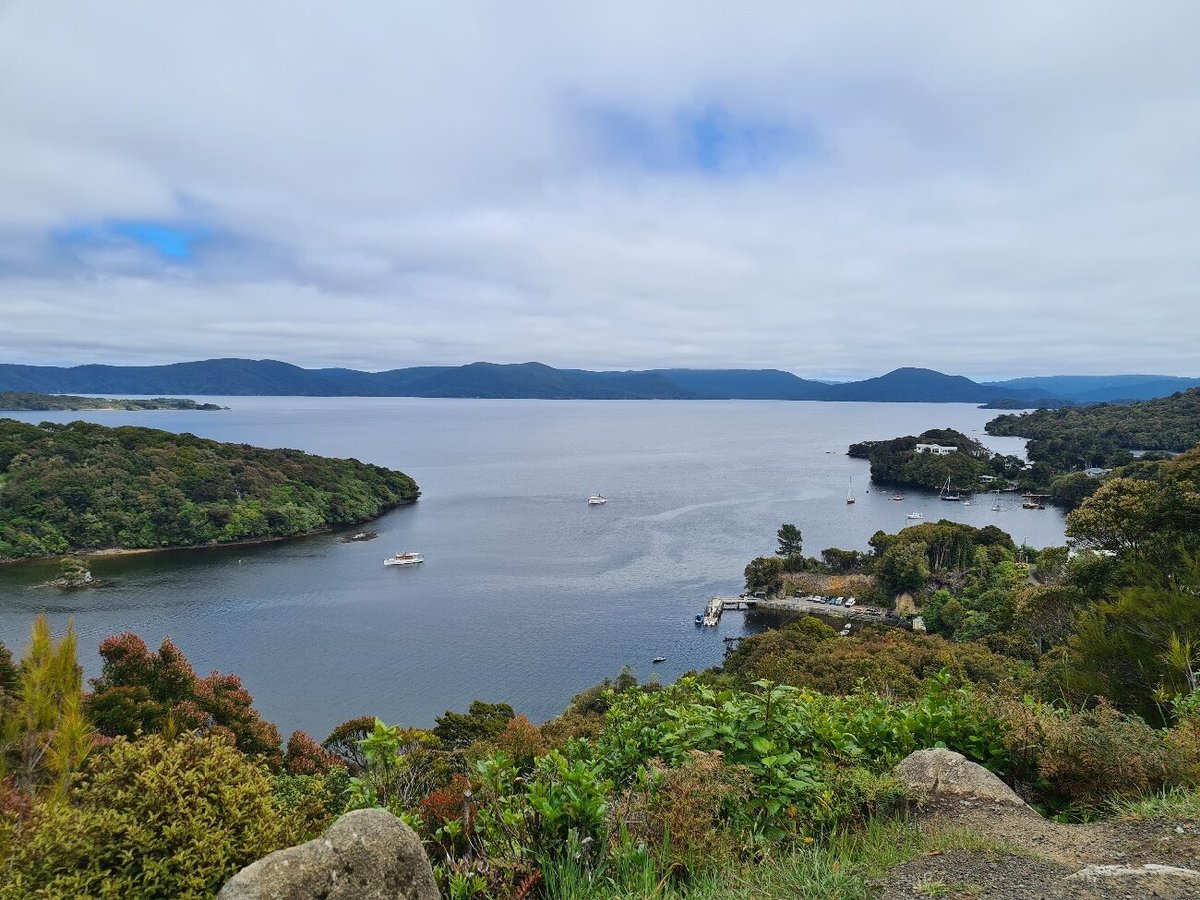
[211,545]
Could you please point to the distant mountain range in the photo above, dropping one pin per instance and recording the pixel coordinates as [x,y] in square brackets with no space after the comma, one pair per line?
[266,377]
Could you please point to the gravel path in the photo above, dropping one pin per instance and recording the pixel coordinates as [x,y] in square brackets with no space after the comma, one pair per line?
[1036,858]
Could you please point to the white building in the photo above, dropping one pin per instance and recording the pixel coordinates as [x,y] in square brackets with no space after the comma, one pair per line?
[935,449]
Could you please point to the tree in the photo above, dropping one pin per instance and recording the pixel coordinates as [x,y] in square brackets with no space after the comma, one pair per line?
[304,756]
[843,560]
[403,765]
[44,735]
[345,743]
[139,692]
[791,542]
[1047,613]
[480,722]
[1123,647]
[765,573]
[902,568]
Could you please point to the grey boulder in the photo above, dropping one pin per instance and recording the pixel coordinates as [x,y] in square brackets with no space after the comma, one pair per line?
[932,773]
[367,854]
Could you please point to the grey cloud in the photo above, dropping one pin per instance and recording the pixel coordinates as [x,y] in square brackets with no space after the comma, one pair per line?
[999,191]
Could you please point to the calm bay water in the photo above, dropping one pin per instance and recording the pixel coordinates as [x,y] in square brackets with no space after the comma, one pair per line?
[528,594]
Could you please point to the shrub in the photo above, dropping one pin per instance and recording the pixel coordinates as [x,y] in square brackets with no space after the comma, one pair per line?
[305,757]
[1085,760]
[686,815]
[152,818]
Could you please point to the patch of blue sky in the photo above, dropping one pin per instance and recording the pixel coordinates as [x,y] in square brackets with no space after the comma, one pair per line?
[710,138]
[173,242]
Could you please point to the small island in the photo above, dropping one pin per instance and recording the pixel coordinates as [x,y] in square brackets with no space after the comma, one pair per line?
[938,459]
[26,401]
[83,488]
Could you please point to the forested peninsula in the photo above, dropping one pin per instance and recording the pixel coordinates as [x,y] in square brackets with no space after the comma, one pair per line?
[1103,435]
[899,462]
[27,401]
[83,487]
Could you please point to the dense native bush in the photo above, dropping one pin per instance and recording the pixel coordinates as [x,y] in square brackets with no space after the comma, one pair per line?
[1085,760]
[139,692]
[151,818]
[791,740]
[1070,439]
[83,486]
[691,816]
[891,662]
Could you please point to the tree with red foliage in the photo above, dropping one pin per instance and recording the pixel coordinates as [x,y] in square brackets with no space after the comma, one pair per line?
[304,756]
[139,692]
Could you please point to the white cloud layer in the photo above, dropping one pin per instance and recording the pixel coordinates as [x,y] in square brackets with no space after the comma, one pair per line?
[834,189]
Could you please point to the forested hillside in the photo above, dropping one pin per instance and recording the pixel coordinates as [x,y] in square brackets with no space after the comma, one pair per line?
[897,461]
[1075,438]
[81,486]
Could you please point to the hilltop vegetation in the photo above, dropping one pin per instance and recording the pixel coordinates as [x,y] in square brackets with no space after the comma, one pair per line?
[898,462]
[21,401]
[1067,440]
[79,487]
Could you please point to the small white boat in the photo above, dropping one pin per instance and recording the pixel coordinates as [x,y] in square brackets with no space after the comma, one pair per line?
[659,659]
[914,515]
[596,500]
[406,558]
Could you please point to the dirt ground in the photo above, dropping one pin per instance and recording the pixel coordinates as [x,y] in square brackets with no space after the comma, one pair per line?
[1037,856]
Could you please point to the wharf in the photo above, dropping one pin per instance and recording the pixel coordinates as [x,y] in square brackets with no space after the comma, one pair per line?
[716,605]
[812,606]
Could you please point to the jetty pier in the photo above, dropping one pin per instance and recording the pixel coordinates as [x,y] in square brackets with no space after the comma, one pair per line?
[807,605]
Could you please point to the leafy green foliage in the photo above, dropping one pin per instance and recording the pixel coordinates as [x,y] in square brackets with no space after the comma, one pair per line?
[889,661]
[152,818]
[765,573]
[480,722]
[791,742]
[1071,439]
[402,766]
[82,486]
[1128,649]
[1148,515]
[898,462]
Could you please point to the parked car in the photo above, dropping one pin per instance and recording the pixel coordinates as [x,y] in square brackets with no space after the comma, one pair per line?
[849,601]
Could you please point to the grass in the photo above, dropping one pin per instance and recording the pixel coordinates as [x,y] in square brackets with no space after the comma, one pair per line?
[1169,803]
[935,887]
[844,867]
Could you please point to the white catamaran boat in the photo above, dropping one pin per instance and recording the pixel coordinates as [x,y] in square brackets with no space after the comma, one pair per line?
[850,490]
[406,558]
[596,500]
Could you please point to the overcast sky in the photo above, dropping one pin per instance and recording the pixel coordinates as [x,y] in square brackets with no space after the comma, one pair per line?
[835,189]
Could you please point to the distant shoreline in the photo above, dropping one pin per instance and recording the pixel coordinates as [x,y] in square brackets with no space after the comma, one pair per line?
[105,552]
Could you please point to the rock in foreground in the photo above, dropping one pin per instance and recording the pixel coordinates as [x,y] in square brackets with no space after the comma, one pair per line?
[931,773]
[367,854]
